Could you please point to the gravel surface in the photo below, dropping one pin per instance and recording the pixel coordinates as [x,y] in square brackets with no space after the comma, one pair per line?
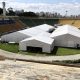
[18,70]
[39,58]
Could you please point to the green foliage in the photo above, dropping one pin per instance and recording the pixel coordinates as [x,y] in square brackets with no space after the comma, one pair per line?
[28,14]
[67,51]
[1,11]
[58,51]
[69,61]
[11,12]
[9,47]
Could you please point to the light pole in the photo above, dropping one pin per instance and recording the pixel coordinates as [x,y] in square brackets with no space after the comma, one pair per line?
[4,9]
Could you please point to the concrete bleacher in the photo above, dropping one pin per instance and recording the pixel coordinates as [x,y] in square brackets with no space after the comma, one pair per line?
[77,23]
[6,21]
[74,22]
[30,22]
[11,26]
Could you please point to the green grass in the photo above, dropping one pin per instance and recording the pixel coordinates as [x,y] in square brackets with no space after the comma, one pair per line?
[57,51]
[9,47]
[67,51]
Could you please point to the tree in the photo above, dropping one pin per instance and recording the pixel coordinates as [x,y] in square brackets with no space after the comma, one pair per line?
[28,14]
[1,10]
[11,12]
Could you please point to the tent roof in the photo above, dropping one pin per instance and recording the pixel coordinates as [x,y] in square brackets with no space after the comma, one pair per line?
[31,31]
[44,34]
[36,30]
[45,27]
[44,39]
[66,29]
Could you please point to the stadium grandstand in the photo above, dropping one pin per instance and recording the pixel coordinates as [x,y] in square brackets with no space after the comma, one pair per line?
[30,22]
[74,22]
[6,21]
[14,23]
[17,23]
[10,24]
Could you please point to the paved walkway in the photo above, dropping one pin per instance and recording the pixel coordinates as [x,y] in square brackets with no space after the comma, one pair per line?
[38,58]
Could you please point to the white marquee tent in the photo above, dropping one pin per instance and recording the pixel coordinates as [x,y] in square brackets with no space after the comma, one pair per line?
[26,33]
[43,42]
[66,36]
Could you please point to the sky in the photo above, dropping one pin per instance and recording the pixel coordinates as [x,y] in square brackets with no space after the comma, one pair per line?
[61,6]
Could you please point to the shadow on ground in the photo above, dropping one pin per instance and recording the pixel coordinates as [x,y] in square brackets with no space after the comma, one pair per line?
[37,52]
[54,51]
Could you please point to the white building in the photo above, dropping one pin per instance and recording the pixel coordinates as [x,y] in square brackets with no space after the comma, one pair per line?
[39,38]
[66,36]
[40,43]
[27,33]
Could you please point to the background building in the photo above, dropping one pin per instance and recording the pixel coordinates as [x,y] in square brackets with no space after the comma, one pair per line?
[66,36]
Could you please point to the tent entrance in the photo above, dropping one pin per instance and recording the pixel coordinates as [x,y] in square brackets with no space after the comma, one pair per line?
[34,49]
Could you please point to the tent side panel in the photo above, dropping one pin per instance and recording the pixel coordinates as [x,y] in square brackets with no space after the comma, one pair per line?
[67,40]
[34,43]
[14,37]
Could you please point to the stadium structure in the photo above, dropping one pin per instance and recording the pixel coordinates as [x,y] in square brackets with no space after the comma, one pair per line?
[39,33]
[9,23]
[14,23]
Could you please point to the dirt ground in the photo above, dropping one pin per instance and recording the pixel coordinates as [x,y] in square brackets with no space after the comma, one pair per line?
[19,70]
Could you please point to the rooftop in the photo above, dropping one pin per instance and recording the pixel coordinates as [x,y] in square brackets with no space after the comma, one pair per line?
[44,39]
[37,30]
[66,29]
